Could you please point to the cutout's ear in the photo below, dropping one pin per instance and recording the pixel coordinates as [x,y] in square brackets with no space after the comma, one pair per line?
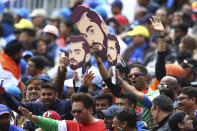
[87,57]
[104,27]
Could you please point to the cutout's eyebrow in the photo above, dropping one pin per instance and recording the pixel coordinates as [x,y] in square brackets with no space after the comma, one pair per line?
[77,50]
[88,28]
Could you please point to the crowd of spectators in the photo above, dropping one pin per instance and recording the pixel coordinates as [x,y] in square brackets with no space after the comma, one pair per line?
[156,77]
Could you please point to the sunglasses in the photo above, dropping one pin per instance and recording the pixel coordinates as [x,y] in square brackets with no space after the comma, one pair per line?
[135,74]
[162,87]
[76,111]
[35,88]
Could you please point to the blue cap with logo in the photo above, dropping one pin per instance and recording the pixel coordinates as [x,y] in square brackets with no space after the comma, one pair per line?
[4,109]
[109,112]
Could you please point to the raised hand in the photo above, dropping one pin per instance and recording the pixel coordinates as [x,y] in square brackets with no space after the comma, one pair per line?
[156,24]
[88,77]
[26,112]
[63,60]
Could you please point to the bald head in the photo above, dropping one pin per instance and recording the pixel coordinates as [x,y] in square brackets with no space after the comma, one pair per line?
[169,80]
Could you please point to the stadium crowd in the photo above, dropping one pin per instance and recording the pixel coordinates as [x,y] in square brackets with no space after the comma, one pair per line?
[155,84]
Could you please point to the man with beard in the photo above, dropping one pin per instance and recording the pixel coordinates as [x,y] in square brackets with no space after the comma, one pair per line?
[48,101]
[5,118]
[113,50]
[92,27]
[79,52]
[10,67]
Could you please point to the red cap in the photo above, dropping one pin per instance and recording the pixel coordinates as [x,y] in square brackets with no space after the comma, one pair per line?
[52,114]
[121,19]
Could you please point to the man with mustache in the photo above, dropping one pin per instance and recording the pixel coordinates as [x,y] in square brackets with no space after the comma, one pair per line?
[79,52]
[92,27]
[113,50]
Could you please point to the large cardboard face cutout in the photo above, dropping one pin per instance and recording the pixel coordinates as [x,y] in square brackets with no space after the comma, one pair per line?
[92,27]
[113,50]
[79,52]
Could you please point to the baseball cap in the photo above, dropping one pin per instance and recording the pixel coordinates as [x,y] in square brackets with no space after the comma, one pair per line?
[4,109]
[13,91]
[139,30]
[117,3]
[38,12]
[51,29]
[190,63]
[23,23]
[109,112]
[27,53]
[52,114]
[121,19]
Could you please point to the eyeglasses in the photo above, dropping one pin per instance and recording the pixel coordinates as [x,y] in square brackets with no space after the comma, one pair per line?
[76,111]
[162,87]
[188,64]
[182,98]
[135,74]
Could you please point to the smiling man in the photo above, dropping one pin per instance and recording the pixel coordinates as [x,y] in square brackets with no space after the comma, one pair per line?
[187,100]
[113,50]
[92,27]
[79,52]
[48,101]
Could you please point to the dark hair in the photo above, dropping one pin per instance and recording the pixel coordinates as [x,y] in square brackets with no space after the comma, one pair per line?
[184,54]
[140,66]
[30,32]
[36,41]
[69,24]
[49,85]
[38,61]
[80,10]
[113,37]
[81,38]
[13,47]
[85,98]
[132,98]
[128,115]
[176,118]
[33,79]
[105,96]
[164,103]
[190,91]
[182,28]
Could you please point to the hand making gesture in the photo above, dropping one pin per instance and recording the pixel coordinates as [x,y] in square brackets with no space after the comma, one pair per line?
[63,60]
[156,24]
[88,77]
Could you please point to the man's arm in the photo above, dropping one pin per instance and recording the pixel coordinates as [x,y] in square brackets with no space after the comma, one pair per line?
[46,124]
[61,74]
[160,70]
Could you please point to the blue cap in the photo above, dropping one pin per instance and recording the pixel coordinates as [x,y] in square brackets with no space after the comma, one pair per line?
[101,11]
[65,12]
[27,53]
[4,109]
[109,112]
[117,3]
[44,77]
[13,91]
